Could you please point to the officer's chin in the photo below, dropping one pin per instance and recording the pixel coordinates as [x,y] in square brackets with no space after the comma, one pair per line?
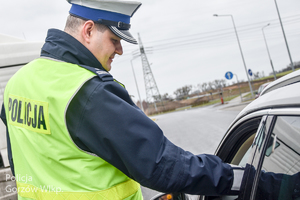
[107,67]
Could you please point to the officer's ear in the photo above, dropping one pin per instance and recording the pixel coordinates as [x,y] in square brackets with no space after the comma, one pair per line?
[87,31]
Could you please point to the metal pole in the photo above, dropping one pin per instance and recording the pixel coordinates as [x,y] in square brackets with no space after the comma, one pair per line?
[136,82]
[250,86]
[287,46]
[268,51]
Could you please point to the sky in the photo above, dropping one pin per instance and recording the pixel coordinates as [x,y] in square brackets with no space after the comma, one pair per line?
[185,43]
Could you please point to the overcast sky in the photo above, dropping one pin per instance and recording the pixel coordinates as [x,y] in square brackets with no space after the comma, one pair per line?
[187,44]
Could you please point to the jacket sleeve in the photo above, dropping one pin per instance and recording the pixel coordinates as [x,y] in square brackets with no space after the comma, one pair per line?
[271,185]
[10,159]
[102,119]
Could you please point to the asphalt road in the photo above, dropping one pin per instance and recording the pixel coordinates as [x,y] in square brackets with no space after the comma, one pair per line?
[197,130]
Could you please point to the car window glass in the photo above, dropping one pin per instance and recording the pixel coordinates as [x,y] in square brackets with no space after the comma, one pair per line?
[271,146]
[236,149]
[245,158]
[280,177]
[252,156]
[242,156]
[251,144]
[247,150]
[260,140]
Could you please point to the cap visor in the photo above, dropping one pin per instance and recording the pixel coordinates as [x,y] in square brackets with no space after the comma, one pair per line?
[123,34]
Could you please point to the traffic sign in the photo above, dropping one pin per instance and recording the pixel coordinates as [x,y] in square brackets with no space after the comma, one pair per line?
[229,75]
[250,72]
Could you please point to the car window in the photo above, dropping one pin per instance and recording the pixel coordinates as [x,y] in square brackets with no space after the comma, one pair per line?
[245,157]
[279,176]
[260,89]
[236,148]
[252,157]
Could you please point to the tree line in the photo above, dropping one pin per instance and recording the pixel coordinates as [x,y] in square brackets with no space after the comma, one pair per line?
[216,85]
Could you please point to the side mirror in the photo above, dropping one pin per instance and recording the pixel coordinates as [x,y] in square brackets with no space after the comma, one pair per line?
[170,196]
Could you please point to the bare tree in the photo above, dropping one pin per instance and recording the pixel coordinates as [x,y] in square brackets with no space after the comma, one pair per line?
[204,87]
[183,92]
[196,90]
[211,86]
[217,83]
[157,98]
[199,86]
[166,97]
[223,82]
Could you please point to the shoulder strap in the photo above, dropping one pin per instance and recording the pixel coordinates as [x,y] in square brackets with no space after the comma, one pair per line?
[103,75]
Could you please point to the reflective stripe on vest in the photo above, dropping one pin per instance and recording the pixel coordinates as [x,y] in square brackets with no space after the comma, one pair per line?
[118,192]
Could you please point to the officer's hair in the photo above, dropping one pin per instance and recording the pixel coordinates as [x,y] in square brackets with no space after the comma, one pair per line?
[73,23]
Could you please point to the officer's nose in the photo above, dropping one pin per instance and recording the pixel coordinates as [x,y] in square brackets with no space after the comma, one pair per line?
[119,48]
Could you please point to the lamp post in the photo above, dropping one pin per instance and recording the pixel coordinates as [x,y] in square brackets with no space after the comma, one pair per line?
[136,81]
[268,50]
[287,46]
[250,86]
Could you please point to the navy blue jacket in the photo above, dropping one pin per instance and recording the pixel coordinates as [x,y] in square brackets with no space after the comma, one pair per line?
[103,120]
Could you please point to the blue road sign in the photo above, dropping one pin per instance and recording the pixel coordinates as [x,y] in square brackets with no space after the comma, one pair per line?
[250,72]
[229,75]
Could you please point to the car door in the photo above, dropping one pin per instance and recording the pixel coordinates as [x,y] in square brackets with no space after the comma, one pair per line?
[254,159]
[267,142]
[276,162]
[236,146]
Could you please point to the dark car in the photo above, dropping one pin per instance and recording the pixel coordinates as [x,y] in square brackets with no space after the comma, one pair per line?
[265,136]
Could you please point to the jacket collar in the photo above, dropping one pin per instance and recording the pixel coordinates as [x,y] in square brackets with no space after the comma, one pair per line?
[62,46]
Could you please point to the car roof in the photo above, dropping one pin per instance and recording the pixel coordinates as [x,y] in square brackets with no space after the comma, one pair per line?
[265,84]
[283,81]
[283,92]
[15,51]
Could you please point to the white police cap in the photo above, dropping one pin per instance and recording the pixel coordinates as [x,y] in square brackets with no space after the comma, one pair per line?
[115,14]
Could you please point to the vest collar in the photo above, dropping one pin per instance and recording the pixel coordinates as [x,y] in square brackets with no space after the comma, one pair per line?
[62,46]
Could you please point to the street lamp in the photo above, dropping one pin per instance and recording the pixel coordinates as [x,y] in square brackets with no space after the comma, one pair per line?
[268,50]
[136,81]
[287,46]
[215,15]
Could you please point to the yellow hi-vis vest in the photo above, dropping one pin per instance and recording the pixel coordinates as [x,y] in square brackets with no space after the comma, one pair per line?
[48,164]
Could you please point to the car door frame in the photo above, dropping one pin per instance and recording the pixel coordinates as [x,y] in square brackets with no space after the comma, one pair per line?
[230,143]
[274,113]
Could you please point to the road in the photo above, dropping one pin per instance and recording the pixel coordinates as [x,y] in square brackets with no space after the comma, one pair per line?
[196,130]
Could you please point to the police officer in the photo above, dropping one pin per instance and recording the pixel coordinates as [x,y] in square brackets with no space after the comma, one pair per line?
[74,131]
